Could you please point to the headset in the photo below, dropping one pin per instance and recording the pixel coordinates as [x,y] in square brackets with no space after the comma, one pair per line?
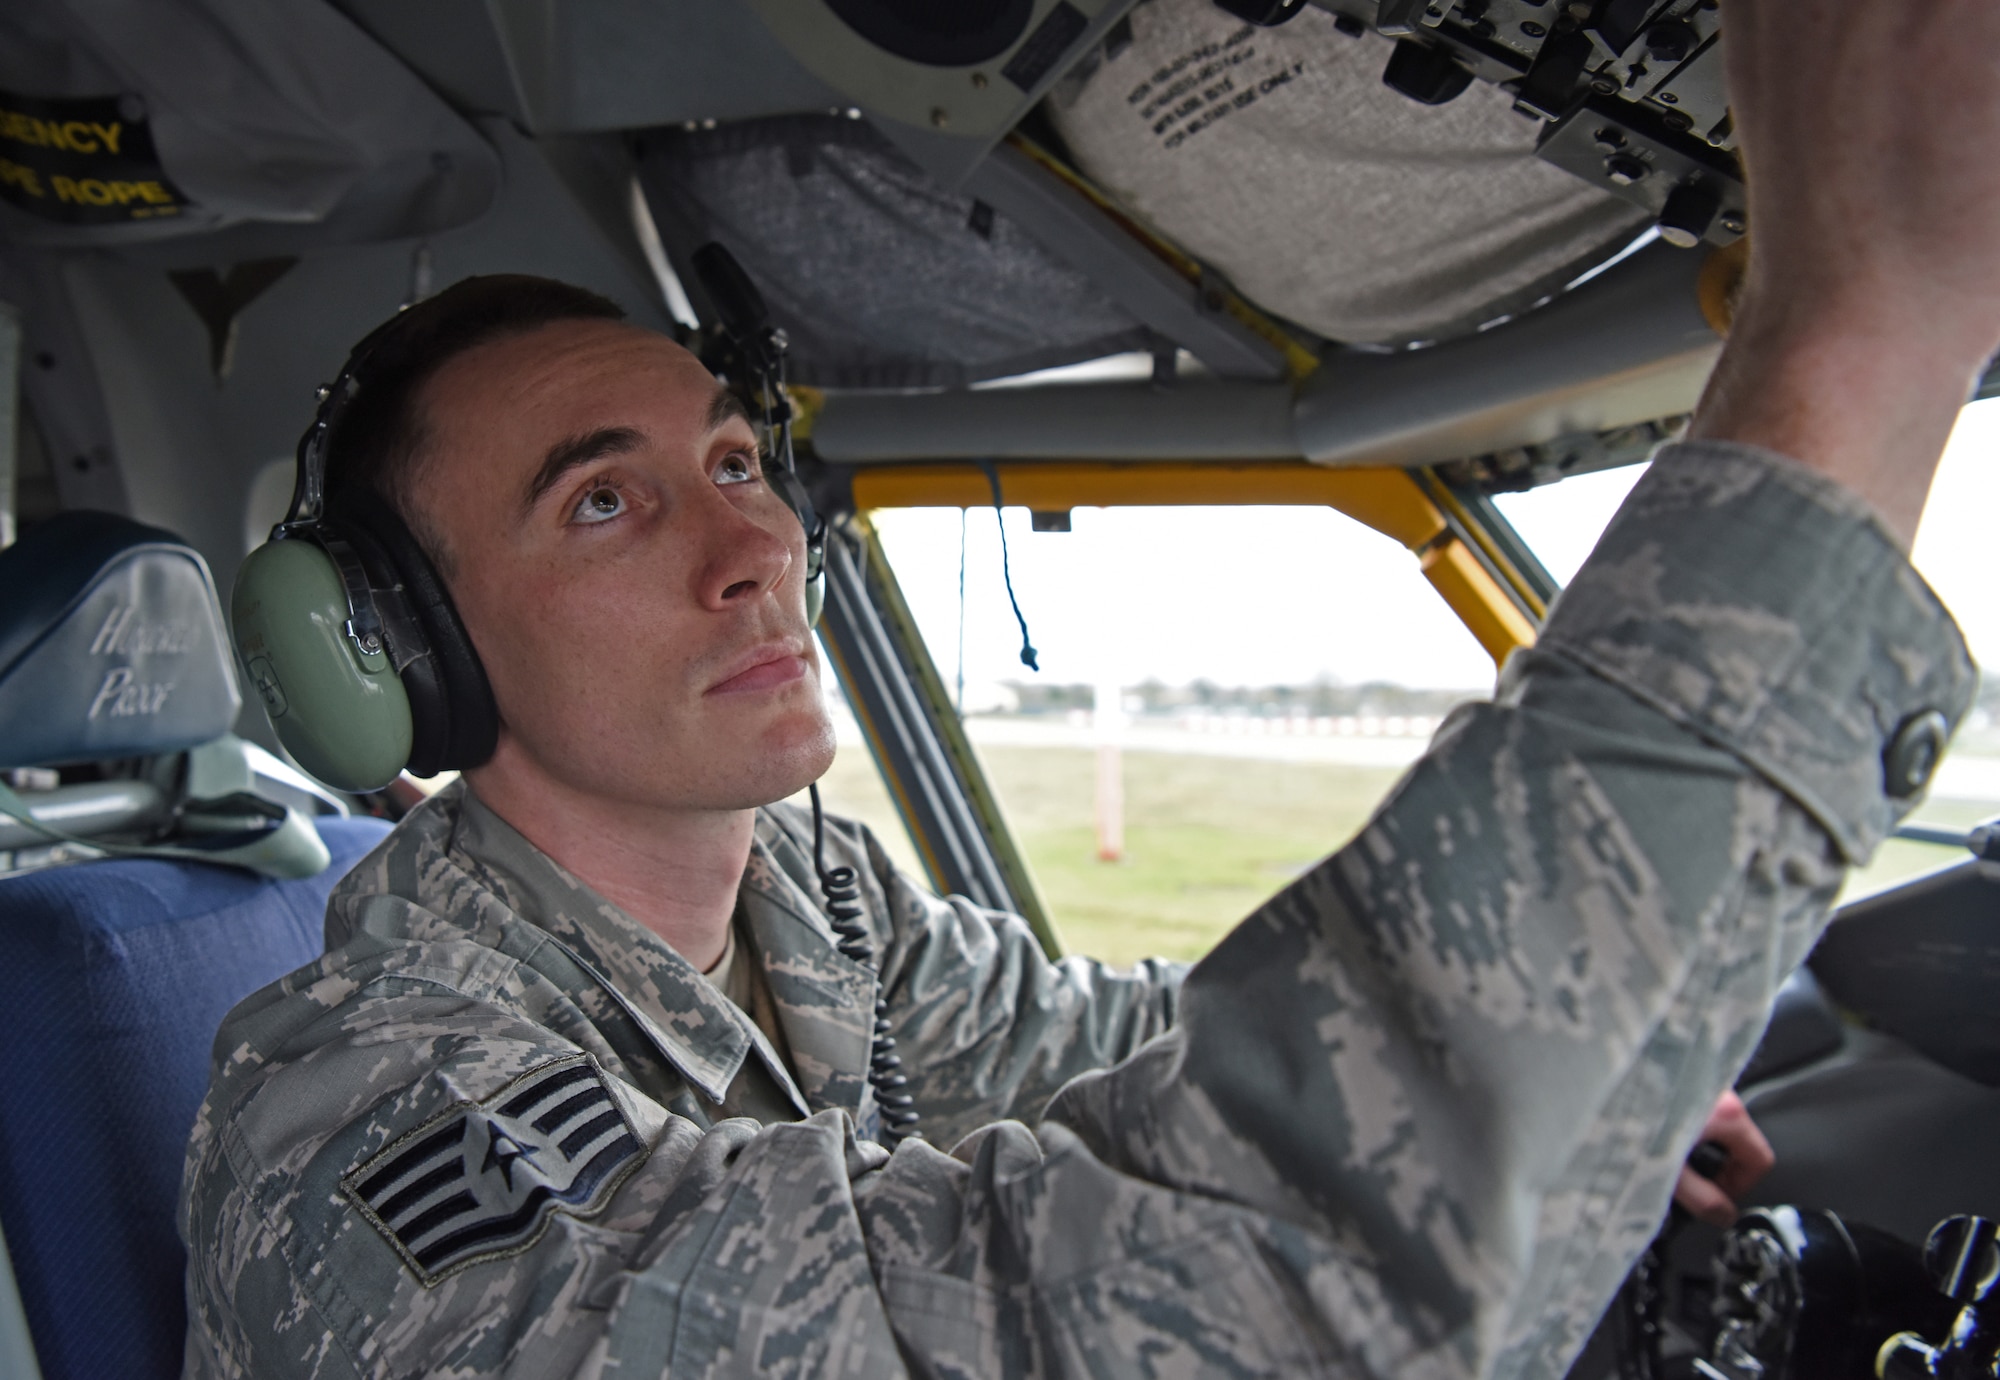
[348,633]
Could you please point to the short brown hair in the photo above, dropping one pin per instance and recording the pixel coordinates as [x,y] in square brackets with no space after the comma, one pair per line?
[381,431]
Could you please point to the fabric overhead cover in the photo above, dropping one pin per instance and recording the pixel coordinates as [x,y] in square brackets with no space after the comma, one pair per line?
[125,120]
[879,277]
[1280,158]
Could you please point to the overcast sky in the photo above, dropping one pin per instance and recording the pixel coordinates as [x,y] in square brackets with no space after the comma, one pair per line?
[1283,595]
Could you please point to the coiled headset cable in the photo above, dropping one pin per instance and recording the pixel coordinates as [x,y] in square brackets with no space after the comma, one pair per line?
[843,912]
[761,347]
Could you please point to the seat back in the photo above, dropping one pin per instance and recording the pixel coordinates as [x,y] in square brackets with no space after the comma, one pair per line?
[111,644]
[115,972]
[113,978]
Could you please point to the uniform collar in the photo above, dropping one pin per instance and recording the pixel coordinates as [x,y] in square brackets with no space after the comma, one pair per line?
[824,1000]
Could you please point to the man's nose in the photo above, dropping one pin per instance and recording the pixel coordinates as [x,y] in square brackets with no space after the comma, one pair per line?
[743,558]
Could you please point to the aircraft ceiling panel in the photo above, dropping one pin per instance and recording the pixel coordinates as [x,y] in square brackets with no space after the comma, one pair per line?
[555,66]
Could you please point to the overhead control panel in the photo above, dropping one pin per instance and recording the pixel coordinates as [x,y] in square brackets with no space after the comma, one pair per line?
[1631,91]
[943,81]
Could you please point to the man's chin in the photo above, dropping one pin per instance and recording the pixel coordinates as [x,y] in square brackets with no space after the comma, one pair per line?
[791,755]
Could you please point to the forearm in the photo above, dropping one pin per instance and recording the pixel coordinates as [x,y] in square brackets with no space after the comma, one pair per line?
[1872,296]
[1868,401]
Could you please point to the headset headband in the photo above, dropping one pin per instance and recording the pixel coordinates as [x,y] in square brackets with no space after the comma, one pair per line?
[309,488]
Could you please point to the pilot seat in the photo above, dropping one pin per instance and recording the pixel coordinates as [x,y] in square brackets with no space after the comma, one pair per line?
[154,871]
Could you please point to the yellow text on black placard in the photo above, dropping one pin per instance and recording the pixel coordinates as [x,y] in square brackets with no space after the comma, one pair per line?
[82,161]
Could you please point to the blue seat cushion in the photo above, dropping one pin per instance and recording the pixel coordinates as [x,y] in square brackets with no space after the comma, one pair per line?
[113,978]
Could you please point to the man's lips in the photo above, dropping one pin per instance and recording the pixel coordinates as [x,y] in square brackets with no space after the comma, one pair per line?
[762,668]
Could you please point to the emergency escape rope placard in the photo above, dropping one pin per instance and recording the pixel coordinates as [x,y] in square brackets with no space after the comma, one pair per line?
[86,160]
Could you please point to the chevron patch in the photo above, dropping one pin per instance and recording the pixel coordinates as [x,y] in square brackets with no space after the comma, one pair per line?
[481,1181]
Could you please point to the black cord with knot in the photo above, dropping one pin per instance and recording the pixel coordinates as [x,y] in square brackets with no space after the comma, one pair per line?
[843,913]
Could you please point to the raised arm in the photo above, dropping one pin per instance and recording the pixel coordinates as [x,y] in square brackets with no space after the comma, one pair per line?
[1872,297]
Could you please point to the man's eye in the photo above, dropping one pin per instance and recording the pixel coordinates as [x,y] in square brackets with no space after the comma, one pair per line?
[599,505]
[736,469]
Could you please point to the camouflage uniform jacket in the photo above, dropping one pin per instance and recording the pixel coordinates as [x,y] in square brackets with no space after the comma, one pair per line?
[1416,1116]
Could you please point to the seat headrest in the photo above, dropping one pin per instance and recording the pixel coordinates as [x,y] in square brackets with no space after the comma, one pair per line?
[111,644]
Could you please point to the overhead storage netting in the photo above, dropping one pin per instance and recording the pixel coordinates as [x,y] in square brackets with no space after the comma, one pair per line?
[1279,157]
[879,277]
[145,120]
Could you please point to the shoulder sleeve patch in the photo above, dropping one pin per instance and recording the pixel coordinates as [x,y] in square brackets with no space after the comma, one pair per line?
[481,1180]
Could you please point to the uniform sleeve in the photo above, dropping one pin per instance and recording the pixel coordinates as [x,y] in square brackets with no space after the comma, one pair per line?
[989,1028]
[1415,1117]
[1453,1071]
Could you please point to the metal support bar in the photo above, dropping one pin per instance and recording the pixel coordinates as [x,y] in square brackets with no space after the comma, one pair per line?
[1299,359]
[90,809]
[1471,527]
[1455,570]
[1216,421]
[916,739]
[1512,548]
[1931,833]
[1071,227]
[1630,346]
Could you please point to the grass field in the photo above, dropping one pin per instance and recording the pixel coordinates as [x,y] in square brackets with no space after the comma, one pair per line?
[1206,838]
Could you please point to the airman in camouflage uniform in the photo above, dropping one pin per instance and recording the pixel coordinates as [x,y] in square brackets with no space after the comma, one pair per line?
[1412,1118]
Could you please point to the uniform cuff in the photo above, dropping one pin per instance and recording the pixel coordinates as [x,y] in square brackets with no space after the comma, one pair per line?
[1767,609]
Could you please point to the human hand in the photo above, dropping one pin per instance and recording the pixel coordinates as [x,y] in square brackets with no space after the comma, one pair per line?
[1750,1158]
[1872,296]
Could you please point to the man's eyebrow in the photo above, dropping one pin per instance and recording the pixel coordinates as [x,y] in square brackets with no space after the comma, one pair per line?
[725,407]
[576,451]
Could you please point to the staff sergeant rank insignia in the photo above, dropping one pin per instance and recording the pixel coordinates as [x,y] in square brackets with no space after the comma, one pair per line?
[481,1181]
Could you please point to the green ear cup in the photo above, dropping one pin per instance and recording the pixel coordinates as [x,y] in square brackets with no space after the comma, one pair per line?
[341,712]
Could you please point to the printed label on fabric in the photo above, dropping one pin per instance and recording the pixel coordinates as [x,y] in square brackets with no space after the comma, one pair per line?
[1207,83]
[481,1181]
[83,161]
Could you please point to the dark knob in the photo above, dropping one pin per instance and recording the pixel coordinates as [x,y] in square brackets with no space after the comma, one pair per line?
[1671,41]
[1689,211]
[1425,74]
[1963,1257]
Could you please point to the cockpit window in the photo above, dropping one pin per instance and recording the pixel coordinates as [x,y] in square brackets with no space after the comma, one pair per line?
[1954,551]
[1265,674]
[1562,522]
